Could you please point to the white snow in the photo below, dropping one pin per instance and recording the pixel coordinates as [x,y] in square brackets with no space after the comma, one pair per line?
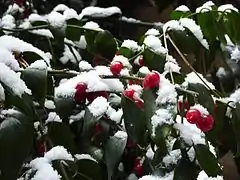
[7,58]
[8,22]
[14,44]
[205,7]
[99,106]
[99,12]
[84,65]
[84,156]
[82,44]
[153,32]
[39,64]
[116,116]
[14,8]
[77,117]
[201,109]
[182,8]
[150,153]
[43,32]
[195,29]
[61,7]
[227,8]
[130,20]
[53,117]
[172,158]
[203,176]
[68,55]
[221,73]
[49,104]
[93,26]
[121,135]
[70,14]
[130,44]
[56,20]
[193,78]
[173,25]
[123,60]
[166,93]
[2,93]
[36,17]
[13,81]
[144,70]
[235,97]
[154,44]
[161,116]
[44,170]
[235,54]
[171,65]
[58,153]
[189,132]
[168,176]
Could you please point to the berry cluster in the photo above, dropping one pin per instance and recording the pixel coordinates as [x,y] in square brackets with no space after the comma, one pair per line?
[81,94]
[203,122]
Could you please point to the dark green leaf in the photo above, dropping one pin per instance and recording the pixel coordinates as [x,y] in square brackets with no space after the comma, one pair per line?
[207,160]
[161,134]
[176,15]
[160,154]
[204,98]
[178,77]
[236,126]
[185,170]
[113,152]
[16,142]
[60,134]
[36,80]
[72,32]
[64,106]
[105,44]
[134,120]
[125,52]
[153,60]
[88,169]
[149,106]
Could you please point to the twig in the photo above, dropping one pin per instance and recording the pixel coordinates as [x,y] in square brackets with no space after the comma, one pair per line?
[190,66]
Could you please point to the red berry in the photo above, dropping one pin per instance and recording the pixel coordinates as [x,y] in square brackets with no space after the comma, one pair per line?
[206,123]
[40,148]
[80,94]
[139,103]
[138,169]
[151,80]
[193,116]
[129,93]
[130,143]
[141,61]
[116,68]
[93,95]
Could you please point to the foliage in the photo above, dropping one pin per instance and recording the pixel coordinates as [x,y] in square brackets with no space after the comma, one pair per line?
[66,115]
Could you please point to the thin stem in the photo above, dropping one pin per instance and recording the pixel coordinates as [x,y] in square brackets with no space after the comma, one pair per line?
[121,77]
[186,91]
[167,56]
[27,29]
[134,57]
[190,66]
[138,22]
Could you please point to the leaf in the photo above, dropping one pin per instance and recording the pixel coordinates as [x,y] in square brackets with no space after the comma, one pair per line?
[16,142]
[70,167]
[36,81]
[72,32]
[64,106]
[134,120]
[58,42]
[105,44]
[236,126]
[219,121]
[126,52]
[207,160]
[113,152]
[153,60]
[161,134]
[204,97]
[88,169]
[149,106]
[176,15]
[30,57]
[185,170]
[60,134]
[159,155]
[89,122]
[178,77]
